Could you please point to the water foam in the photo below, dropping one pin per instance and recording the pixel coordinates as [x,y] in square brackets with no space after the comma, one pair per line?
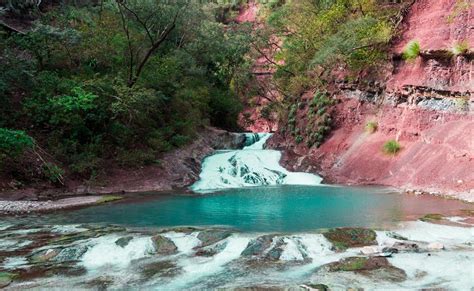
[104,252]
[251,166]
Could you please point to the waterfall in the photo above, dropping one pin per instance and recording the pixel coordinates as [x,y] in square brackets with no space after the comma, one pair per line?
[251,166]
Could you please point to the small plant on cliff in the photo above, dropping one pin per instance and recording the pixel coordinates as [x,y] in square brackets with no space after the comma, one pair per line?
[411,50]
[371,126]
[460,48]
[391,147]
[298,139]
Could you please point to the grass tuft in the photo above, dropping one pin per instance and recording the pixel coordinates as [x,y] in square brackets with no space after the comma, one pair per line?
[411,50]
[371,126]
[460,48]
[391,147]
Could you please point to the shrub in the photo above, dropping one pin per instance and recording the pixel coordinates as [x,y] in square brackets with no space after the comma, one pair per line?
[411,50]
[14,142]
[53,173]
[460,48]
[298,139]
[391,147]
[371,126]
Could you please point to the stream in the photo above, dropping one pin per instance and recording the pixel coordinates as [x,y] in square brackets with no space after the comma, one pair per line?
[251,223]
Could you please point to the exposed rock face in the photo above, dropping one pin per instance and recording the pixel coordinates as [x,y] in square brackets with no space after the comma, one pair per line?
[437,25]
[426,105]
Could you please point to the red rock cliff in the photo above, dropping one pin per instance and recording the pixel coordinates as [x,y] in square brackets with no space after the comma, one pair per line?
[426,105]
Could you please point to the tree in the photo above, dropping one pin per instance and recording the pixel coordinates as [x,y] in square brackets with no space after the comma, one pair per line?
[145,20]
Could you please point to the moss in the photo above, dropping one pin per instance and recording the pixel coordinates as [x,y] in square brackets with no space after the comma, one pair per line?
[343,238]
[6,278]
[109,198]
[350,264]
[432,217]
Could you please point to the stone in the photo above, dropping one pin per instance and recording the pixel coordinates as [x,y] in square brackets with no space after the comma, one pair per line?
[396,236]
[370,250]
[6,279]
[73,253]
[162,268]
[435,246]
[374,267]
[406,247]
[432,217]
[44,255]
[163,245]
[123,241]
[210,251]
[100,283]
[257,246]
[275,252]
[209,237]
[343,238]
[319,287]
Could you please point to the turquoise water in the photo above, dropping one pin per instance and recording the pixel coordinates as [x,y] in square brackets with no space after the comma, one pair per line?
[263,209]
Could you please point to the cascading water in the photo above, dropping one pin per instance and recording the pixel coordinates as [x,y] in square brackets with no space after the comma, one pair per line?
[251,166]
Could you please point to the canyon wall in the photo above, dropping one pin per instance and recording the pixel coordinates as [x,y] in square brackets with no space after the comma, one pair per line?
[427,105]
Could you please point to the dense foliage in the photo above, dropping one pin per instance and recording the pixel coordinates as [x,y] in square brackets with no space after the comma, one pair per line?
[120,80]
[322,36]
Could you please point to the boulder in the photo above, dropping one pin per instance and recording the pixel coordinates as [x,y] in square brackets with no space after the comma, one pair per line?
[72,253]
[407,246]
[343,238]
[275,252]
[210,251]
[209,237]
[163,245]
[123,241]
[257,246]
[374,267]
[161,268]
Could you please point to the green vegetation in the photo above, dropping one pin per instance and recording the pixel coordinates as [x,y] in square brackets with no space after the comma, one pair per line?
[411,50]
[371,126]
[6,278]
[13,143]
[118,82]
[343,238]
[320,120]
[391,147]
[109,198]
[350,264]
[322,35]
[460,48]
